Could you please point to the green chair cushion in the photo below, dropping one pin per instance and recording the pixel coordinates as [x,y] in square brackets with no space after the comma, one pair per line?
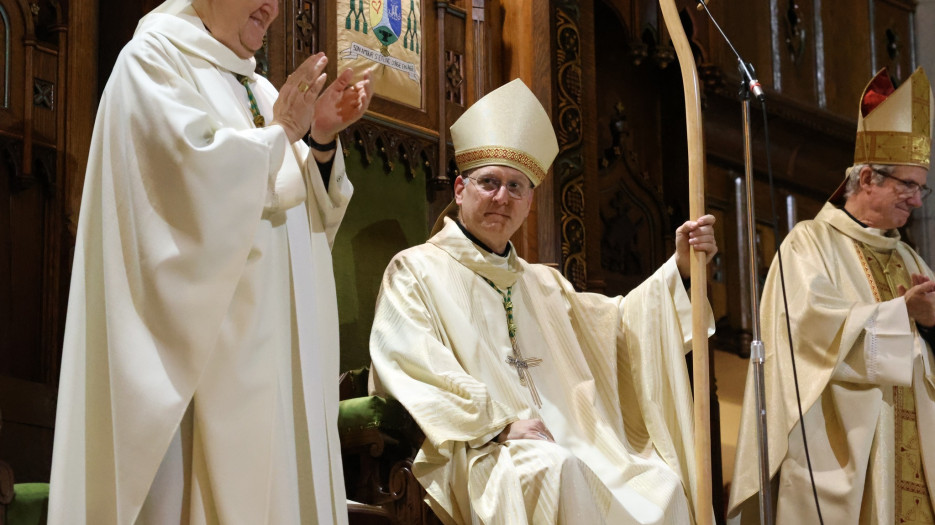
[30,505]
[373,412]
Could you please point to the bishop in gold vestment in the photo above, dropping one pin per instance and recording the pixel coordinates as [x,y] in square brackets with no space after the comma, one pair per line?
[861,308]
[539,404]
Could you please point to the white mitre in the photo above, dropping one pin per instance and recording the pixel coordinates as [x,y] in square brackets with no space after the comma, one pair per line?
[507,127]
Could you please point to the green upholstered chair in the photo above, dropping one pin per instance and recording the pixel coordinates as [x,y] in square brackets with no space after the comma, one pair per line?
[29,505]
[23,503]
[379,439]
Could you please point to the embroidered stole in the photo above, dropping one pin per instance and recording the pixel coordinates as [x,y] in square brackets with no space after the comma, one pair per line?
[885,271]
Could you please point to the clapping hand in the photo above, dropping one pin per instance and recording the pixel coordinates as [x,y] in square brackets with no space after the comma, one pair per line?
[294,109]
[340,105]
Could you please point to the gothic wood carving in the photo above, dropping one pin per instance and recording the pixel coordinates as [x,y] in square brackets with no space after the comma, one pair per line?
[375,138]
[33,236]
[43,94]
[569,164]
[306,27]
[633,211]
[454,77]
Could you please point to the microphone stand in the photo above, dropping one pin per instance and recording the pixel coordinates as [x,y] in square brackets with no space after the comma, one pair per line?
[757,353]
[750,85]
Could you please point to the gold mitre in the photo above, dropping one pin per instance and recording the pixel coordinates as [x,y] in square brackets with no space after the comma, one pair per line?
[507,127]
[894,126]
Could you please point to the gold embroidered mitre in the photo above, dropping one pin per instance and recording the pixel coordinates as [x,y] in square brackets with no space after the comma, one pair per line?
[507,127]
[894,126]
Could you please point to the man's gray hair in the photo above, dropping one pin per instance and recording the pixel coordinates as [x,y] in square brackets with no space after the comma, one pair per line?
[853,176]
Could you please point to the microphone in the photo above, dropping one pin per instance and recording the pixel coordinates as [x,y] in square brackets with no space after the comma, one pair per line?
[746,69]
[749,79]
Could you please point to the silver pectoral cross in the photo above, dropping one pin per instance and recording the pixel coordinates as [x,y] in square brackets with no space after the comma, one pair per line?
[522,365]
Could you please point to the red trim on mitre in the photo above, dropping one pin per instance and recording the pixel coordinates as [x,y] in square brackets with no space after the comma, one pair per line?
[877,91]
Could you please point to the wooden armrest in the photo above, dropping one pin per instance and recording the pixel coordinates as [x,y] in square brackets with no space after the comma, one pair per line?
[6,483]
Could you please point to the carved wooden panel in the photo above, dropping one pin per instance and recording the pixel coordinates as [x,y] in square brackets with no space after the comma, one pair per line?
[893,38]
[30,192]
[846,26]
[306,27]
[631,211]
[382,141]
[568,168]
[748,25]
[455,79]
[794,49]
[45,84]
[32,234]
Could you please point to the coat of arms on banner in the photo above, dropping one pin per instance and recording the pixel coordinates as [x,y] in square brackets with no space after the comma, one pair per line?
[387,37]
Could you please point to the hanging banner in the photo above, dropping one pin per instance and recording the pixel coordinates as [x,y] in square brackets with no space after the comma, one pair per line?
[383,36]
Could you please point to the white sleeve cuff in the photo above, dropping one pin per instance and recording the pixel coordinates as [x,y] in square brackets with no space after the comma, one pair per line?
[884,352]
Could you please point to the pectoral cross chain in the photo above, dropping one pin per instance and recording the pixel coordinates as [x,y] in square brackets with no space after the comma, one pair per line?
[516,359]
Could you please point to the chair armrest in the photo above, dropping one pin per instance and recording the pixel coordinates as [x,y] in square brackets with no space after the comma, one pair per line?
[6,483]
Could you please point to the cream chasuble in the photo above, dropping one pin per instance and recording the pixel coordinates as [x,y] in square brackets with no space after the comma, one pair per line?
[612,381]
[202,242]
[862,367]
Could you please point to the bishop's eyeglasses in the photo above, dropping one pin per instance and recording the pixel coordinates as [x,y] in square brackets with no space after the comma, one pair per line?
[908,187]
[491,185]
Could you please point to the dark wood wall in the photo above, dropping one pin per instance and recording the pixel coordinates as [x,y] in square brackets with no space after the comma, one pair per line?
[34,241]
[813,57]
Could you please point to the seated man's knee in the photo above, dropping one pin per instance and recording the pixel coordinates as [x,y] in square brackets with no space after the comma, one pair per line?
[539,461]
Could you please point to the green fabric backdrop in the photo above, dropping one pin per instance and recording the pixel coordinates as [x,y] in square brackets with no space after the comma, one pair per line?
[387,214]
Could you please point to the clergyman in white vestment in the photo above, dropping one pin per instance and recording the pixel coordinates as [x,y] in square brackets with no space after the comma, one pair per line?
[862,309]
[189,392]
[539,404]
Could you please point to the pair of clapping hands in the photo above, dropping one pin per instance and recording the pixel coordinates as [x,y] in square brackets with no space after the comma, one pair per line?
[302,106]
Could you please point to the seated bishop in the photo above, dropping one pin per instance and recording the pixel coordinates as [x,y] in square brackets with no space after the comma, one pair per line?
[540,404]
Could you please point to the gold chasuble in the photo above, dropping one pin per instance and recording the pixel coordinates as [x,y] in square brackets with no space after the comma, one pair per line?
[866,378]
[609,372]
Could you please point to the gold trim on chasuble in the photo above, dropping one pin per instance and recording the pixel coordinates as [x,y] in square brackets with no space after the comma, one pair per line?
[912,505]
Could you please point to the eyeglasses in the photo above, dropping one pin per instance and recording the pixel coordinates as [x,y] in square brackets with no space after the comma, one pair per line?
[491,185]
[909,187]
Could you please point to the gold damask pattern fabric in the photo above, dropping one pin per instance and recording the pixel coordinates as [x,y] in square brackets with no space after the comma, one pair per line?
[912,496]
[921,106]
[912,505]
[892,147]
[511,157]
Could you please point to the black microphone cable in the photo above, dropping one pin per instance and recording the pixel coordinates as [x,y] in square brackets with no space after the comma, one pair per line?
[785,307]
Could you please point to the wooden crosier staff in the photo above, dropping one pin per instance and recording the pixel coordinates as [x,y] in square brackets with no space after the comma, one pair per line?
[699,276]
